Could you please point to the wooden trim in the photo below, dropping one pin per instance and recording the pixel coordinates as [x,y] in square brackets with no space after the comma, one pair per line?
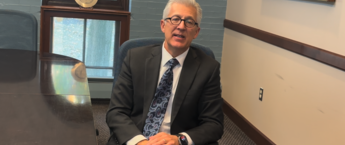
[100,100]
[93,80]
[250,130]
[101,4]
[47,12]
[326,0]
[89,11]
[318,54]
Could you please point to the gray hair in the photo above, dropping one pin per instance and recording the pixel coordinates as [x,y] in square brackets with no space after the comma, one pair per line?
[186,2]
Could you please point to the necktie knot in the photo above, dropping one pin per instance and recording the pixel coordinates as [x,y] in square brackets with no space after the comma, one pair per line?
[172,63]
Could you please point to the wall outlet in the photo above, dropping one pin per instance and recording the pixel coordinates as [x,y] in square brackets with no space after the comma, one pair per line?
[261,94]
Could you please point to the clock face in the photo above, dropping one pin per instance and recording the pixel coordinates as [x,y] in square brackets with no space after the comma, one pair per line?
[86,3]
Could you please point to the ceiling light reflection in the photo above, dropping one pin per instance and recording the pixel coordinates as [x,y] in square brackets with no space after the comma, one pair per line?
[76,100]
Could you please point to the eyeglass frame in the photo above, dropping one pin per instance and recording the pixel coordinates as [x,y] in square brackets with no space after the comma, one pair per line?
[195,23]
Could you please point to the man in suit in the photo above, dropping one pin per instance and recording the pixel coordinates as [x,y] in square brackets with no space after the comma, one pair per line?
[181,80]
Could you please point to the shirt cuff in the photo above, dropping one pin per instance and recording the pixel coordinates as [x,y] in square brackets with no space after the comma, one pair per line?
[190,142]
[135,140]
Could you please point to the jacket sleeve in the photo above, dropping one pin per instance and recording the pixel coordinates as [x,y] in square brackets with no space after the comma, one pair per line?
[122,128]
[210,114]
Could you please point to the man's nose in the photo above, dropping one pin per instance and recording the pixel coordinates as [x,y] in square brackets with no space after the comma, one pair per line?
[182,25]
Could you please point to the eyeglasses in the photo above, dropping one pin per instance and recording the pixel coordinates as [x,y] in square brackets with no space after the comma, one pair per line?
[176,20]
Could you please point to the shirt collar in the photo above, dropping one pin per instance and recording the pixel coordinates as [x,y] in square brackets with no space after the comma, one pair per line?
[166,56]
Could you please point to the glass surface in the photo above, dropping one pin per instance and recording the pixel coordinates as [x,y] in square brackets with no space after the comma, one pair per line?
[99,73]
[68,35]
[64,80]
[96,51]
[76,100]
[100,39]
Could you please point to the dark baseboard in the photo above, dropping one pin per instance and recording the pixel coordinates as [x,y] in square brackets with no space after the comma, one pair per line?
[250,130]
[100,100]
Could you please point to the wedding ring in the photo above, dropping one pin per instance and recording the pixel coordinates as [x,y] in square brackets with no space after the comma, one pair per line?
[165,141]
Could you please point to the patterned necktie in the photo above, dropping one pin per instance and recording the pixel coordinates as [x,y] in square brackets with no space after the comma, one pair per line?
[160,101]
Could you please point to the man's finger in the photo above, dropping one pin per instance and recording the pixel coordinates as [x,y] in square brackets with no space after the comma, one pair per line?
[171,142]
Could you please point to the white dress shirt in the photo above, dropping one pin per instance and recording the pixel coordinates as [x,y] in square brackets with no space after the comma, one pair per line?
[165,127]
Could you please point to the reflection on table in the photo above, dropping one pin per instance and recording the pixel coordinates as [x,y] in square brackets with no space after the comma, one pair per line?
[44,100]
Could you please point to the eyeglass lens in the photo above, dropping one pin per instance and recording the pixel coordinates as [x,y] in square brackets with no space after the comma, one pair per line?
[177,20]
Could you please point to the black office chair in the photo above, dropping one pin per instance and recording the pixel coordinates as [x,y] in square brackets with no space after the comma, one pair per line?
[133,43]
[18,30]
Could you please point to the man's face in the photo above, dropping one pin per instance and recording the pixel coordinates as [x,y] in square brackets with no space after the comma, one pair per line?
[179,37]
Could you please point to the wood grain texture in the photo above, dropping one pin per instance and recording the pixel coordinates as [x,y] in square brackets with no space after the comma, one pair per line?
[318,54]
[48,12]
[101,4]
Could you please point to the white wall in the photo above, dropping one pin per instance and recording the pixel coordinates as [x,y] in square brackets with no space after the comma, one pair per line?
[304,100]
[100,90]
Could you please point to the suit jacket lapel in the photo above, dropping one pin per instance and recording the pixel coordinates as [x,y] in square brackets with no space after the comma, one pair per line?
[188,73]
[152,67]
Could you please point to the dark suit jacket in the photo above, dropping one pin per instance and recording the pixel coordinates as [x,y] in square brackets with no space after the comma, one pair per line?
[197,106]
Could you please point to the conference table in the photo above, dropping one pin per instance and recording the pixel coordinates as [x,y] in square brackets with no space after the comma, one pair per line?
[44,100]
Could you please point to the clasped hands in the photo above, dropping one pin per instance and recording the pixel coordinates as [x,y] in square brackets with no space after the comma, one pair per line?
[161,138]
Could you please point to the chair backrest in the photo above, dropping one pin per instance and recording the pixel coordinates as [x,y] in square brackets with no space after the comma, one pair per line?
[133,43]
[18,30]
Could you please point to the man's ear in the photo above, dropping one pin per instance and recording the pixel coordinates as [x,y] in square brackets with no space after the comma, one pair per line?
[197,32]
[162,26]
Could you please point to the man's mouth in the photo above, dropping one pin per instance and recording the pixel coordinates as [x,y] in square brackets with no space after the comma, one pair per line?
[179,36]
